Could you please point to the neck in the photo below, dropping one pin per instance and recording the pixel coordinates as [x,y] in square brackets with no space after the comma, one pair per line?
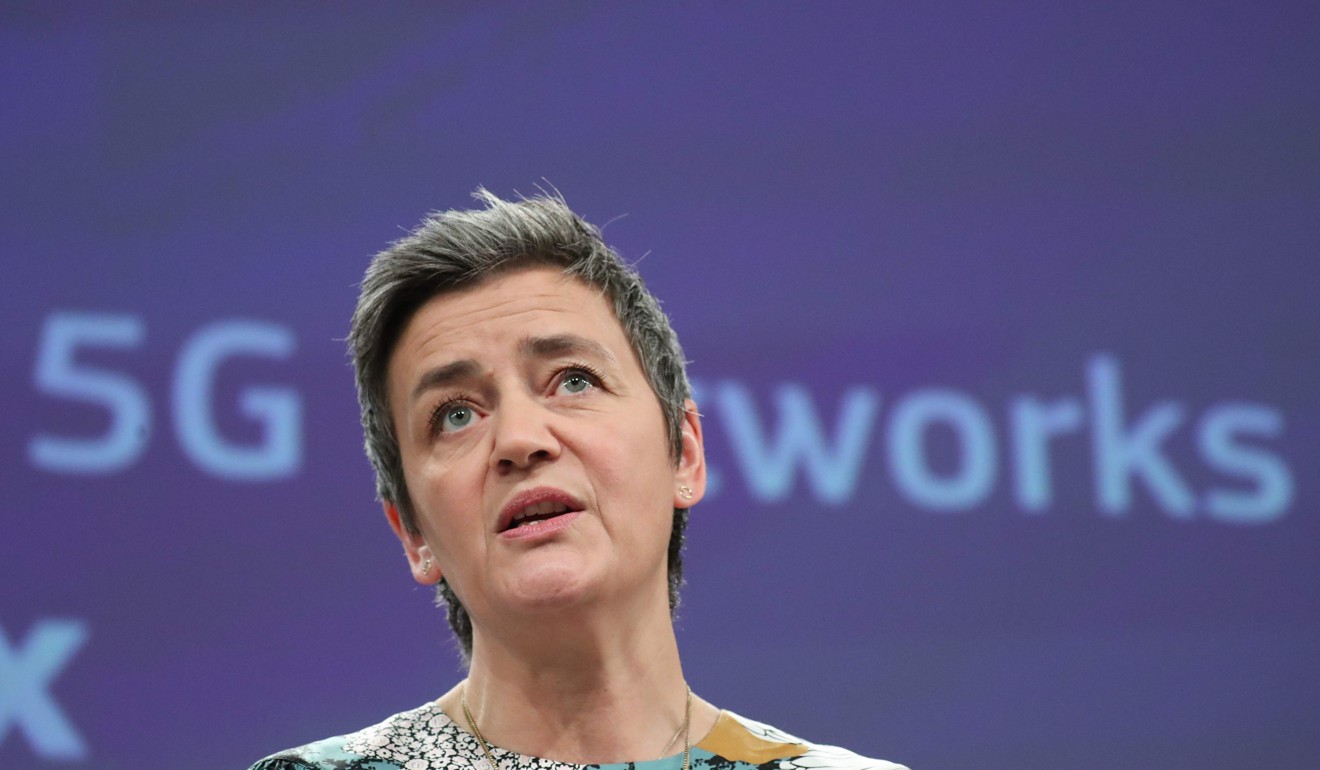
[576,690]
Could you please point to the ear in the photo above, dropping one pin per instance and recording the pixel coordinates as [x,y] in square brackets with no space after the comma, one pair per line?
[425,570]
[691,469]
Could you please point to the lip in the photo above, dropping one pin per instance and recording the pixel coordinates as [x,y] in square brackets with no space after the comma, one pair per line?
[534,496]
[541,529]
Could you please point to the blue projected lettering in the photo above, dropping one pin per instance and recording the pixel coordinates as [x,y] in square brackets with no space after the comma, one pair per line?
[769,464]
[1124,450]
[1034,423]
[1274,485]
[57,374]
[975,477]
[26,674]
[278,410]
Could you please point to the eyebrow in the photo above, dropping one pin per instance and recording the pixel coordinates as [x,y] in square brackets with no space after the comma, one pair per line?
[563,344]
[530,347]
[442,376]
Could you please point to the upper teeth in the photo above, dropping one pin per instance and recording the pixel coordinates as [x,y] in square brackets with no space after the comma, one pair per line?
[539,509]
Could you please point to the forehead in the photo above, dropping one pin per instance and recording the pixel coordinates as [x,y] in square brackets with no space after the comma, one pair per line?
[507,307]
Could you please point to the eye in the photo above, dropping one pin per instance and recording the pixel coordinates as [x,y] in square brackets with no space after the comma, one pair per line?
[456,417]
[578,379]
[576,383]
[453,415]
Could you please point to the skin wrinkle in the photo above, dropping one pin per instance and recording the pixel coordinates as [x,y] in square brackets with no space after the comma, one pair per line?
[429,343]
[559,346]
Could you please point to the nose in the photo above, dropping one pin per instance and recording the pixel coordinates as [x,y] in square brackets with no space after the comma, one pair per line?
[522,435]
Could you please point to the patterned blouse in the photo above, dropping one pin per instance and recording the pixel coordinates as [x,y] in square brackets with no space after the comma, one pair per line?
[427,739]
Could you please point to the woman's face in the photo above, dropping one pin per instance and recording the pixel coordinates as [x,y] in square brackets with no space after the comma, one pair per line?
[534,451]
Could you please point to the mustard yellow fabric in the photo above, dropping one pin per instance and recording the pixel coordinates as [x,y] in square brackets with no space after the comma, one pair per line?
[729,739]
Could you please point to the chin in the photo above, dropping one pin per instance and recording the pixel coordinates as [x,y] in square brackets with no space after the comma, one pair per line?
[555,585]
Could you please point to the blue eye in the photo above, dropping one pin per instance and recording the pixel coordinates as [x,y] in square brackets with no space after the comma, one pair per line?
[577,381]
[452,415]
[456,417]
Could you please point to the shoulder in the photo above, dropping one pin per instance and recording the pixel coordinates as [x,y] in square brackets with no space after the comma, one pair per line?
[392,744]
[740,739]
[328,754]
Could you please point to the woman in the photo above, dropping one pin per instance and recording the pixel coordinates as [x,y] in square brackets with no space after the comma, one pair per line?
[527,414]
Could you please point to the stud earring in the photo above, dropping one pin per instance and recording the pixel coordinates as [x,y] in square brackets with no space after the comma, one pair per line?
[685,492]
[426,566]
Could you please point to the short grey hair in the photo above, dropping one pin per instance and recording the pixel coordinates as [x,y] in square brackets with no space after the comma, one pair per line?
[455,249]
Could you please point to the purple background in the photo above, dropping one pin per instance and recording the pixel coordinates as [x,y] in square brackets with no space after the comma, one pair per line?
[834,197]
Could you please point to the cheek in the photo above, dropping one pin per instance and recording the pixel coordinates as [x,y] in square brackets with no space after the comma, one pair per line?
[445,507]
[639,465]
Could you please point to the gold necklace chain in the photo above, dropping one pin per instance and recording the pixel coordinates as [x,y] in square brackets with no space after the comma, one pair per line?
[472,723]
[686,729]
[670,742]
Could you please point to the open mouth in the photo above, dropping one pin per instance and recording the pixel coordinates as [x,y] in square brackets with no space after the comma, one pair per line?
[537,512]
